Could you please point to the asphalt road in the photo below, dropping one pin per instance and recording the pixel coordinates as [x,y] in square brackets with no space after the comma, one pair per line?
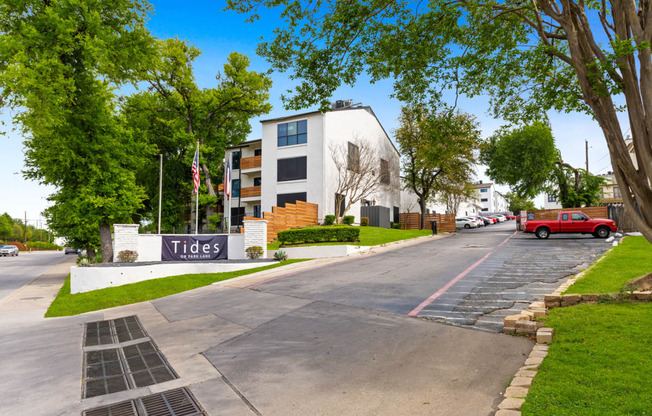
[16,272]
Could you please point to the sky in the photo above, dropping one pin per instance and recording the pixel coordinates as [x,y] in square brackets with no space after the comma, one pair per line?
[217,33]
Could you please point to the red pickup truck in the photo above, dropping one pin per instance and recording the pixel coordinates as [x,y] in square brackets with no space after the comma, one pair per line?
[571,222]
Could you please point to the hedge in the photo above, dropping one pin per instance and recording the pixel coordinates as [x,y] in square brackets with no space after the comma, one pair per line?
[319,235]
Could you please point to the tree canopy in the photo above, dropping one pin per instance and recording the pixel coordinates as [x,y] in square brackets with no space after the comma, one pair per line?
[437,150]
[529,57]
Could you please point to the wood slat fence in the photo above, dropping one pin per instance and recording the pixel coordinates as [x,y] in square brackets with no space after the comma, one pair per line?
[300,214]
[412,221]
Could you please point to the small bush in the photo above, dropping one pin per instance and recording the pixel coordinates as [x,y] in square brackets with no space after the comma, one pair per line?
[127,256]
[329,220]
[348,219]
[395,225]
[319,235]
[364,221]
[280,255]
[42,245]
[254,252]
[21,246]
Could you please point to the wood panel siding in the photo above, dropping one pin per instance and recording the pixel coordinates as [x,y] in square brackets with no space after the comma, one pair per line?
[412,221]
[300,214]
[251,162]
[250,192]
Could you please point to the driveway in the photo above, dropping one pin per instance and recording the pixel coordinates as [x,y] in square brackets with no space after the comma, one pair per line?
[335,340]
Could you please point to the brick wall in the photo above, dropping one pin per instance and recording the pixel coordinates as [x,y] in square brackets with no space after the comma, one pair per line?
[256,234]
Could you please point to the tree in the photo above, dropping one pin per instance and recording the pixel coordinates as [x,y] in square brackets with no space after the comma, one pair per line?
[575,187]
[437,149]
[358,173]
[522,158]
[518,204]
[6,226]
[529,57]
[59,65]
[175,114]
[453,194]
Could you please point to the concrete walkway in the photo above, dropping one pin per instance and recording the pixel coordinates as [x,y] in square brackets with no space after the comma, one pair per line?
[245,352]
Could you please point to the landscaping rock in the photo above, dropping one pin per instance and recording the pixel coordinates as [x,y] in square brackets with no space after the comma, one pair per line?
[590,298]
[518,392]
[505,412]
[552,301]
[521,381]
[609,240]
[544,335]
[540,312]
[534,361]
[511,320]
[526,327]
[511,403]
[526,373]
[570,300]
[642,296]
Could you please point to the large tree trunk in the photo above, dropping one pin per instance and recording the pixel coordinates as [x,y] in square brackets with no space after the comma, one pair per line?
[106,243]
[422,206]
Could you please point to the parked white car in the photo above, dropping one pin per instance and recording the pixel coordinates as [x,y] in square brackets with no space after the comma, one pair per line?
[465,223]
[477,221]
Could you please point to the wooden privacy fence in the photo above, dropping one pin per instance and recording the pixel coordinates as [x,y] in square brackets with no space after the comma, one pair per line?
[300,214]
[412,221]
[553,214]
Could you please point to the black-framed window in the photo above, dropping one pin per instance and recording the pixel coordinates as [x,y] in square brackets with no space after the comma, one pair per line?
[292,169]
[484,199]
[552,198]
[353,157]
[235,188]
[282,199]
[257,181]
[342,204]
[237,214]
[235,160]
[384,172]
[294,132]
[396,214]
[257,212]
[258,152]
[483,190]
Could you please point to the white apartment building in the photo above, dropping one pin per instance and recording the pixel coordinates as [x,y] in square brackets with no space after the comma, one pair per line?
[293,162]
[489,198]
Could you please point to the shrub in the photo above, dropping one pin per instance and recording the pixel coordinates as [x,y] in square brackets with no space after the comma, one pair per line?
[318,235]
[364,221]
[42,245]
[21,246]
[254,252]
[280,255]
[329,220]
[395,225]
[127,256]
[348,219]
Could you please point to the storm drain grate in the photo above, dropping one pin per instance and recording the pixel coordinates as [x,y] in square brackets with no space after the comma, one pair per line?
[113,331]
[118,369]
[178,402]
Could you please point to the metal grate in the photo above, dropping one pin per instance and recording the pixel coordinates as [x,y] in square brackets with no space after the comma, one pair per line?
[178,402]
[113,331]
[118,369]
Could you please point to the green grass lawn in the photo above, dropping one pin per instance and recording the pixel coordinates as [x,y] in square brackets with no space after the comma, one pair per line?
[371,236]
[67,304]
[599,363]
[630,259]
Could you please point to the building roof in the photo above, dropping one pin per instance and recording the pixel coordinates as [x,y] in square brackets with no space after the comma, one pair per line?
[483,185]
[245,144]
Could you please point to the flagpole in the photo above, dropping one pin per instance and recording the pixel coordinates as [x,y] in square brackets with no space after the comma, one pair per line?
[197,199]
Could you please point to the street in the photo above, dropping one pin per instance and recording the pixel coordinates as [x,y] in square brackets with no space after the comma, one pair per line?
[335,340]
[16,272]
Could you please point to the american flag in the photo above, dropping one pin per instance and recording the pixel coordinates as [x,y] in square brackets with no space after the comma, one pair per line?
[227,180]
[195,172]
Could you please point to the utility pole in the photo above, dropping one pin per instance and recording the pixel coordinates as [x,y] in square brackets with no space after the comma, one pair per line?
[25,229]
[586,143]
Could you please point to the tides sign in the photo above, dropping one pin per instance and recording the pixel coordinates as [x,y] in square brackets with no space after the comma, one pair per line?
[193,248]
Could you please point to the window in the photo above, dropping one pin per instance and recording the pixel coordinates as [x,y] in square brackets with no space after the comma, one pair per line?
[483,190]
[235,188]
[237,214]
[257,213]
[484,199]
[617,192]
[485,209]
[353,159]
[282,199]
[577,217]
[564,217]
[257,181]
[342,204]
[291,169]
[384,172]
[235,160]
[552,198]
[295,132]
[258,152]
[396,214]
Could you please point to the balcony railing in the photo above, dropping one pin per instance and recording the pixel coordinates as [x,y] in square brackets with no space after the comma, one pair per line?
[252,162]
[250,192]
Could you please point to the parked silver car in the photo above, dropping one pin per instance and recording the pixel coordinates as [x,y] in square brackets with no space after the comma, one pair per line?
[8,250]
[465,223]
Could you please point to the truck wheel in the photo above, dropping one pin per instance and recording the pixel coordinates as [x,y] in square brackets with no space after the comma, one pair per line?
[602,232]
[543,233]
